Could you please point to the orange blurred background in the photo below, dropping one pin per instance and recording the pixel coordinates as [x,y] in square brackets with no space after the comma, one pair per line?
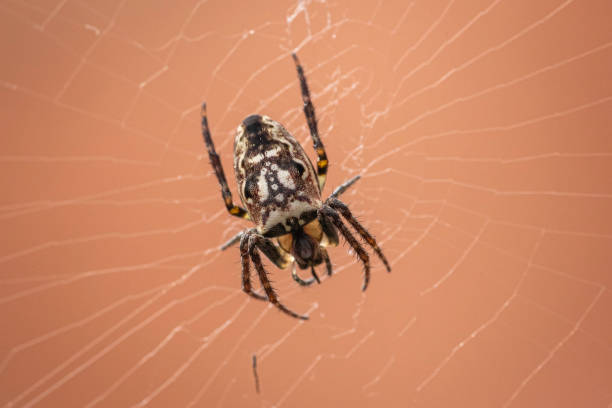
[482,132]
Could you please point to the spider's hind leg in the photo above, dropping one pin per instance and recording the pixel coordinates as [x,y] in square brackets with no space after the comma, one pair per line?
[311,118]
[215,161]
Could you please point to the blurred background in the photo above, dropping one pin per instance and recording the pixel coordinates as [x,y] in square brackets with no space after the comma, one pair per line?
[482,132]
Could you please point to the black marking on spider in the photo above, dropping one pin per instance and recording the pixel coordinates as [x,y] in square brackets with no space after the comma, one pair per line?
[281,191]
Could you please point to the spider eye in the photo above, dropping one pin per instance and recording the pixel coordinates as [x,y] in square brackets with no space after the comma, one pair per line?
[299,168]
[249,188]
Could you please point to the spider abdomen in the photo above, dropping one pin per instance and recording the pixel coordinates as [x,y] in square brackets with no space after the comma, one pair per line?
[276,181]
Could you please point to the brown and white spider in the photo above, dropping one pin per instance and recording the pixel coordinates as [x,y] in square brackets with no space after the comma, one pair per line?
[282,194]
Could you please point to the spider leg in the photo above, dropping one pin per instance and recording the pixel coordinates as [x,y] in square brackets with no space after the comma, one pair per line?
[263,277]
[344,186]
[299,280]
[328,263]
[363,255]
[246,272]
[311,118]
[346,213]
[218,168]
[233,240]
[329,230]
[280,258]
[314,274]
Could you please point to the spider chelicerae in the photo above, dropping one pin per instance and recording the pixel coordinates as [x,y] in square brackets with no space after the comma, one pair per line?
[282,193]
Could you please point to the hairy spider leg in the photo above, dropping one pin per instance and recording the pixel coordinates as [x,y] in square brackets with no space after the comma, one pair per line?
[363,255]
[215,161]
[328,263]
[263,277]
[346,213]
[246,270]
[280,258]
[311,118]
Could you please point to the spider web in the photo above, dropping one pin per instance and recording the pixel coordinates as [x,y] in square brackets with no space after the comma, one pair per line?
[481,131]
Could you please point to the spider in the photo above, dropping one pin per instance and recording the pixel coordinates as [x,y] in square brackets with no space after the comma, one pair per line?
[282,193]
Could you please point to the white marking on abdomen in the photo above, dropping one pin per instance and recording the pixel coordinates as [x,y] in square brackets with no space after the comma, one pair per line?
[257,158]
[273,151]
[296,208]
[263,187]
[284,177]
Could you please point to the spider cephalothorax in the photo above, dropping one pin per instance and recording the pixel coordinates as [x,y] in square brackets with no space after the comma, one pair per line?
[282,193]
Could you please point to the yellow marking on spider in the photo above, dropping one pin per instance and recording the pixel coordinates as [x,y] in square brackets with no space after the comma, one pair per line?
[322,163]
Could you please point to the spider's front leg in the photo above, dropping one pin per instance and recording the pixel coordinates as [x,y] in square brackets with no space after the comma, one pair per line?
[343,209]
[255,242]
[327,213]
[246,270]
